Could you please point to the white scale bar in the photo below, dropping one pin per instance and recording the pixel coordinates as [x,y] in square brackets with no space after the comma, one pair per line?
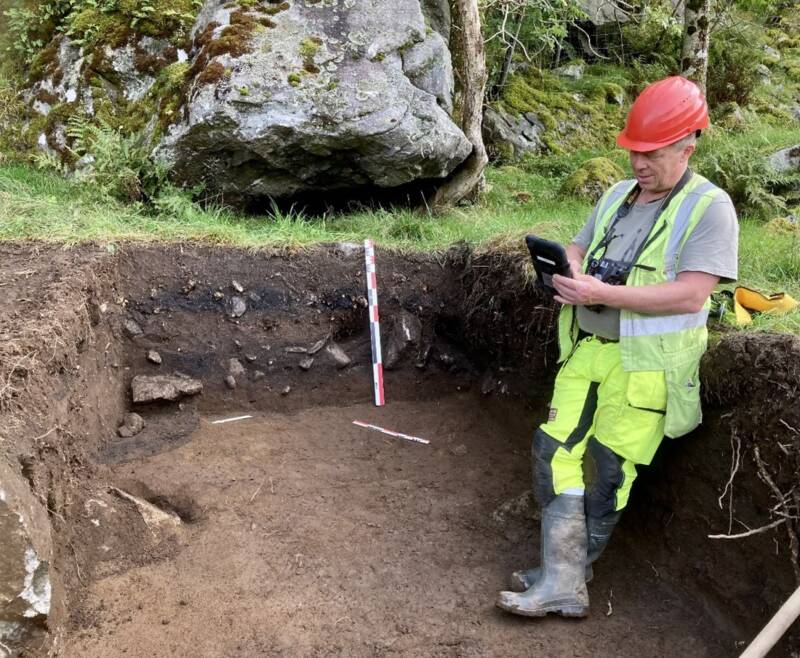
[229,420]
[399,435]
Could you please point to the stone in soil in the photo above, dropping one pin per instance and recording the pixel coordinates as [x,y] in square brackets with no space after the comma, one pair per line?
[238,307]
[132,424]
[316,347]
[154,517]
[258,375]
[150,388]
[406,332]
[306,363]
[338,355]
[488,383]
[154,357]
[132,328]
[237,286]
[235,368]
[25,558]
[230,382]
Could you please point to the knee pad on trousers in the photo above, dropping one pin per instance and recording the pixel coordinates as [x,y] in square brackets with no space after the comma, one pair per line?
[543,448]
[601,496]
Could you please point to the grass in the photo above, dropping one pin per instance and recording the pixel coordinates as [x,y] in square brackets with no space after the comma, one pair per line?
[40,205]
[524,198]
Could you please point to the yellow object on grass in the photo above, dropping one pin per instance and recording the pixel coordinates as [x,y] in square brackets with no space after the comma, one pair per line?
[747,301]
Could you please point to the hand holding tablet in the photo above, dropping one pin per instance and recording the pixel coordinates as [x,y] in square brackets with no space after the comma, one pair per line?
[549,258]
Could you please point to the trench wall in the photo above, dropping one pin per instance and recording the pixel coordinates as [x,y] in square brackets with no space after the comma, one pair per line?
[69,357]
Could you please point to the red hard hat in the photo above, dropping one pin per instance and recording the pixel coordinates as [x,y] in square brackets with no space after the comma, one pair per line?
[666,111]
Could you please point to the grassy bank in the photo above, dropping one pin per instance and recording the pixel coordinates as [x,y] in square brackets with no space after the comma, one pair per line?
[40,205]
[36,204]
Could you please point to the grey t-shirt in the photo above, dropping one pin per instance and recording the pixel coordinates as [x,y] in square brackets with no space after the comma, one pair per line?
[712,248]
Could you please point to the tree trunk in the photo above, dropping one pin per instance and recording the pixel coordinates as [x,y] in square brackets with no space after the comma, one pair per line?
[503,78]
[694,54]
[507,59]
[468,177]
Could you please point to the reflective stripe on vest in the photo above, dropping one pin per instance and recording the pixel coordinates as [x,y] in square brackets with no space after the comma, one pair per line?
[662,324]
[680,225]
[619,190]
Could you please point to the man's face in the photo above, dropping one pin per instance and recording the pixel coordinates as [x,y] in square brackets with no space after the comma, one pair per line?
[660,170]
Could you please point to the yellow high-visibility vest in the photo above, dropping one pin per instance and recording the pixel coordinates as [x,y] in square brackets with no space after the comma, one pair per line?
[658,346]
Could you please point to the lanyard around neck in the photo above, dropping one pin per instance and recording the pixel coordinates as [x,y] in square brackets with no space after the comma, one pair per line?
[625,208]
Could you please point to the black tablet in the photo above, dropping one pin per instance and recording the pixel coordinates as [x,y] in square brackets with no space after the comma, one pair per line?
[549,258]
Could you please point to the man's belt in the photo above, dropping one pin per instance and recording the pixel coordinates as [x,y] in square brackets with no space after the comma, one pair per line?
[600,339]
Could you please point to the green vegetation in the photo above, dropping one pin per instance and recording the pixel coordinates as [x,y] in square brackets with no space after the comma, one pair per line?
[309,47]
[125,196]
[592,178]
[575,113]
[40,204]
[37,204]
[96,23]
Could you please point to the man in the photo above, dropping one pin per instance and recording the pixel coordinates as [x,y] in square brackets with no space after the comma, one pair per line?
[632,330]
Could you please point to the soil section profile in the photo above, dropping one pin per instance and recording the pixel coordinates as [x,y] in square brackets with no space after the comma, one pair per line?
[295,532]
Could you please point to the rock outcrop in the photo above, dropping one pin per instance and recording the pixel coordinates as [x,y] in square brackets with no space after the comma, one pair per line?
[25,559]
[592,178]
[509,137]
[276,98]
[786,160]
[313,96]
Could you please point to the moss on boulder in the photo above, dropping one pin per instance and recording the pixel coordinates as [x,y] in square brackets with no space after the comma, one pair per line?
[575,113]
[592,178]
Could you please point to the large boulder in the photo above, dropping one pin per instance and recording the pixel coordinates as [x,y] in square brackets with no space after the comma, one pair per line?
[25,564]
[284,99]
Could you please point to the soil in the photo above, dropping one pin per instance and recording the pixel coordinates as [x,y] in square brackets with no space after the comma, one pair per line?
[317,538]
[303,534]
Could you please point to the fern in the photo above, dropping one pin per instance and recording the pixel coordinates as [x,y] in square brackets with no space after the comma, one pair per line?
[121,166]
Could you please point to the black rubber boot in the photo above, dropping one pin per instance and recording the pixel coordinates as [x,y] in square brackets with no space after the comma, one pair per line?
[561,588]
[599,533]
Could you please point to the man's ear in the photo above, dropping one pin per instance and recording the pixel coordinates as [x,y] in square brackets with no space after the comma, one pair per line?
[688,150]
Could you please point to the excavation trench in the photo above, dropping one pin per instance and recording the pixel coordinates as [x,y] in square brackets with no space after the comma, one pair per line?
[294,531]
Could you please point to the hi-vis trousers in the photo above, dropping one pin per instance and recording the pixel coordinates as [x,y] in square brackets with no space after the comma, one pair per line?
[614,417]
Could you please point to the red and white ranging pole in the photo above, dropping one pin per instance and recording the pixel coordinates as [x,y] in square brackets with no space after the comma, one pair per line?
[374,323]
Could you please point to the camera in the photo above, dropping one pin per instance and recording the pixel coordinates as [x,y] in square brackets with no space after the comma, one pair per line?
[612,272]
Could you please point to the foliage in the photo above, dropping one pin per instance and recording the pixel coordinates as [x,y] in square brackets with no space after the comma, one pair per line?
[95,22]
[119,165]
[738,163]
[651,36]
[592,178]
[733,59]
[530,32]
[11,113]
[28,30]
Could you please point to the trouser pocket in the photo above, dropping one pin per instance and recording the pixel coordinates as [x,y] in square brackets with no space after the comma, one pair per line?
[684,412]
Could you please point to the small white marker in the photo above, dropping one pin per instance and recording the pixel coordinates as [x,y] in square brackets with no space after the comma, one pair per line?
[399,435]
[229,420]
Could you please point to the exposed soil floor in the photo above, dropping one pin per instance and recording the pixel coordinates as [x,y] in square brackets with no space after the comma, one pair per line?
[312,536]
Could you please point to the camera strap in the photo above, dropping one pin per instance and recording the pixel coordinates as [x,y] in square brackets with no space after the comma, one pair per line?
[625,208]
